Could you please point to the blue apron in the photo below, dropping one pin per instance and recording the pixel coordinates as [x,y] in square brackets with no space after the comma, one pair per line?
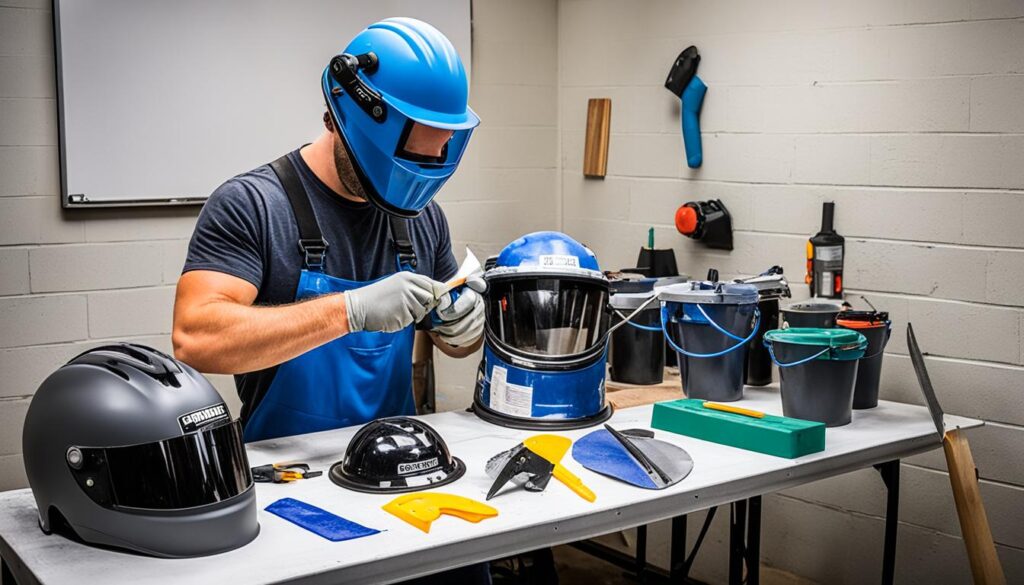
[348,381]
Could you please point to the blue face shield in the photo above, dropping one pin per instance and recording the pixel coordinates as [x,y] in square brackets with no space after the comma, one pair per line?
[375,127]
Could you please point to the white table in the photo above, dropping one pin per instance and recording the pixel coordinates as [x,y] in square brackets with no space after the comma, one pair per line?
[527,521]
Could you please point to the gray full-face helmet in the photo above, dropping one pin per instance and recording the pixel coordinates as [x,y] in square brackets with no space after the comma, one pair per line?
[130,448]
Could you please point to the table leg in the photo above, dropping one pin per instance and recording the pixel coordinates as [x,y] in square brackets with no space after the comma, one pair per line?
[6,578]
[890,471]
[754,541]
[737,533]
[641,553]
[677,551]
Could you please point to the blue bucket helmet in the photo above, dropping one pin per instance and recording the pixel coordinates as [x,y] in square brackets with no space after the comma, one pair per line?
[394,74]
[545,336]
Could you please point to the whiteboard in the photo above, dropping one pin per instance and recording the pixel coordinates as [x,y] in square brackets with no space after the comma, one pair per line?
[160,102]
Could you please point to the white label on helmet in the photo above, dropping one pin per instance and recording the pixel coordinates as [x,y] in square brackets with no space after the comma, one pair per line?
[510,399]
[202,417]
[415,466]
[558,261]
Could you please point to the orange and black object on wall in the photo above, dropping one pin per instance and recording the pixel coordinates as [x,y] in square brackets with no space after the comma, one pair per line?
[706,221]
[825,253]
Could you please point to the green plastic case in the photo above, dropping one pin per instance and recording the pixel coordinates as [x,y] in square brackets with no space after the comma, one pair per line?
[773,435]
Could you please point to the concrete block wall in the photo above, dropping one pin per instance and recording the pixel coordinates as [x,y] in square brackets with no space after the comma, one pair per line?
[70,280]
[508,182]
[909,117]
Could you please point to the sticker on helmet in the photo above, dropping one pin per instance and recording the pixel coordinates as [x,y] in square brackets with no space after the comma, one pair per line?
[203,417]
[415,466]
[558,261]
[508,398]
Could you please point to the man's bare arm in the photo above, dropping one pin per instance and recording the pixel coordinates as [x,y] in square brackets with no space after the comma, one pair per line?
[218,330]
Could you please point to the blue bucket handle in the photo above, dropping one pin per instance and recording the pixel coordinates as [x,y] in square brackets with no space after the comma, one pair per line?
[741,343]
[775,360]
[637,325]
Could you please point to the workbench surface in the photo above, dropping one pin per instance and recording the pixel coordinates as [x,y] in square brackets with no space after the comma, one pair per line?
[526,521]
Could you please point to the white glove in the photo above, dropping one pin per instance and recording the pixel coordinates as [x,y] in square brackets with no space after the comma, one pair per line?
[462,321]
[390,304]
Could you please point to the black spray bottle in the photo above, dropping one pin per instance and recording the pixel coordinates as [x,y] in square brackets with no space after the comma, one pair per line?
[825,252]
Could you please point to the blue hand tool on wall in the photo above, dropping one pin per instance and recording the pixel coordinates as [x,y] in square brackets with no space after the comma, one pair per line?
[683,81]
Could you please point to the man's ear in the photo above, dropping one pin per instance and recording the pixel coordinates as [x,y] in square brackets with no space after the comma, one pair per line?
[328,122]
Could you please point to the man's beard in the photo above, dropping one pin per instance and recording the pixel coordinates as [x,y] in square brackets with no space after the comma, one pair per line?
[346,173]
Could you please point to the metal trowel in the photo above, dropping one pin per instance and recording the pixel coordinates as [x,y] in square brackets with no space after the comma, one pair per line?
[633,456]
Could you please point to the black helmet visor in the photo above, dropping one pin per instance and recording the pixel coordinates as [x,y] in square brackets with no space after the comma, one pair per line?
[547,316]
[196,469]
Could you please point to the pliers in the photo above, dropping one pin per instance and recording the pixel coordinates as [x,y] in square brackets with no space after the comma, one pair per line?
[283,472]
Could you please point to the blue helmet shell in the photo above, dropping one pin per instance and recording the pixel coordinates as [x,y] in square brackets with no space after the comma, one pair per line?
[547,252]
[419,78]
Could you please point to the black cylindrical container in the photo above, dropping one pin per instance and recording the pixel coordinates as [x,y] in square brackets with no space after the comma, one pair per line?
[636,353]
[658,263]
[876,327]
[811,314]
[710,324]
[817,372]
[759,363]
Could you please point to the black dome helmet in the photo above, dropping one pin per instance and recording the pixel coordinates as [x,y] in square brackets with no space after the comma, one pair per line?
[394,455]
[135,450]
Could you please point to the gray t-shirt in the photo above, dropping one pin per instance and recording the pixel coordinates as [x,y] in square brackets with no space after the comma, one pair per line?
[247,229]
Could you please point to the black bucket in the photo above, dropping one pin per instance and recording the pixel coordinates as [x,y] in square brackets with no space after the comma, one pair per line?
[637,354]
[817,371]
[709,325]
[759,363]
[876,327]
[810,314]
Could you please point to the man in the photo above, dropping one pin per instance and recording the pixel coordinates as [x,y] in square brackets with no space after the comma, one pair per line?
[305,277]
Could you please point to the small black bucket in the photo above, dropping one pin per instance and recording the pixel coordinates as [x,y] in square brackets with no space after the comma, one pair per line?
[637,353]
[817,371]
[709,326]
[876,327]
[810,314]
[759,363]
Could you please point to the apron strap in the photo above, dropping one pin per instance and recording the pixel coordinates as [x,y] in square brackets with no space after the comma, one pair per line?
[402,241]
[312,244]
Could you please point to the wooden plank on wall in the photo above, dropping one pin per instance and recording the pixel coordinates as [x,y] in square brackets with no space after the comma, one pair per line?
[595,151]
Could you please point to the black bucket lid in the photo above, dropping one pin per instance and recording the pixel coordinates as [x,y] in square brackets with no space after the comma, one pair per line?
[864,318]
[813,306]
[394,455]
[706,292]
[632,301]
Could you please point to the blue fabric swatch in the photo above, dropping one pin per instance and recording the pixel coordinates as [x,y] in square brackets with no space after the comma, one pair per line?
[318,521]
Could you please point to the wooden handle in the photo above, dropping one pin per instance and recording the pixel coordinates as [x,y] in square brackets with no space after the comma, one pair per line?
[981,549]
[595,147]
[574,483]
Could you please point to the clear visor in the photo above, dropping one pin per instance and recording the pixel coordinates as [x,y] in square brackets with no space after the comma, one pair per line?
[197,469]
[550,317]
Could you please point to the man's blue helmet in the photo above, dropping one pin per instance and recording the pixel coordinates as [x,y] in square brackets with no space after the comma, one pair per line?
[395,73]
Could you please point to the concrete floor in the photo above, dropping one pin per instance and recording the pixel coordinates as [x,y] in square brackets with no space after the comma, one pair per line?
[578,568]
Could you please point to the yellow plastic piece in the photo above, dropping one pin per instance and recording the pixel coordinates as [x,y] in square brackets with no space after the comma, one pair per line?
[550,447]
[553,448]
[573,482]
[734,409]
[421,508]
